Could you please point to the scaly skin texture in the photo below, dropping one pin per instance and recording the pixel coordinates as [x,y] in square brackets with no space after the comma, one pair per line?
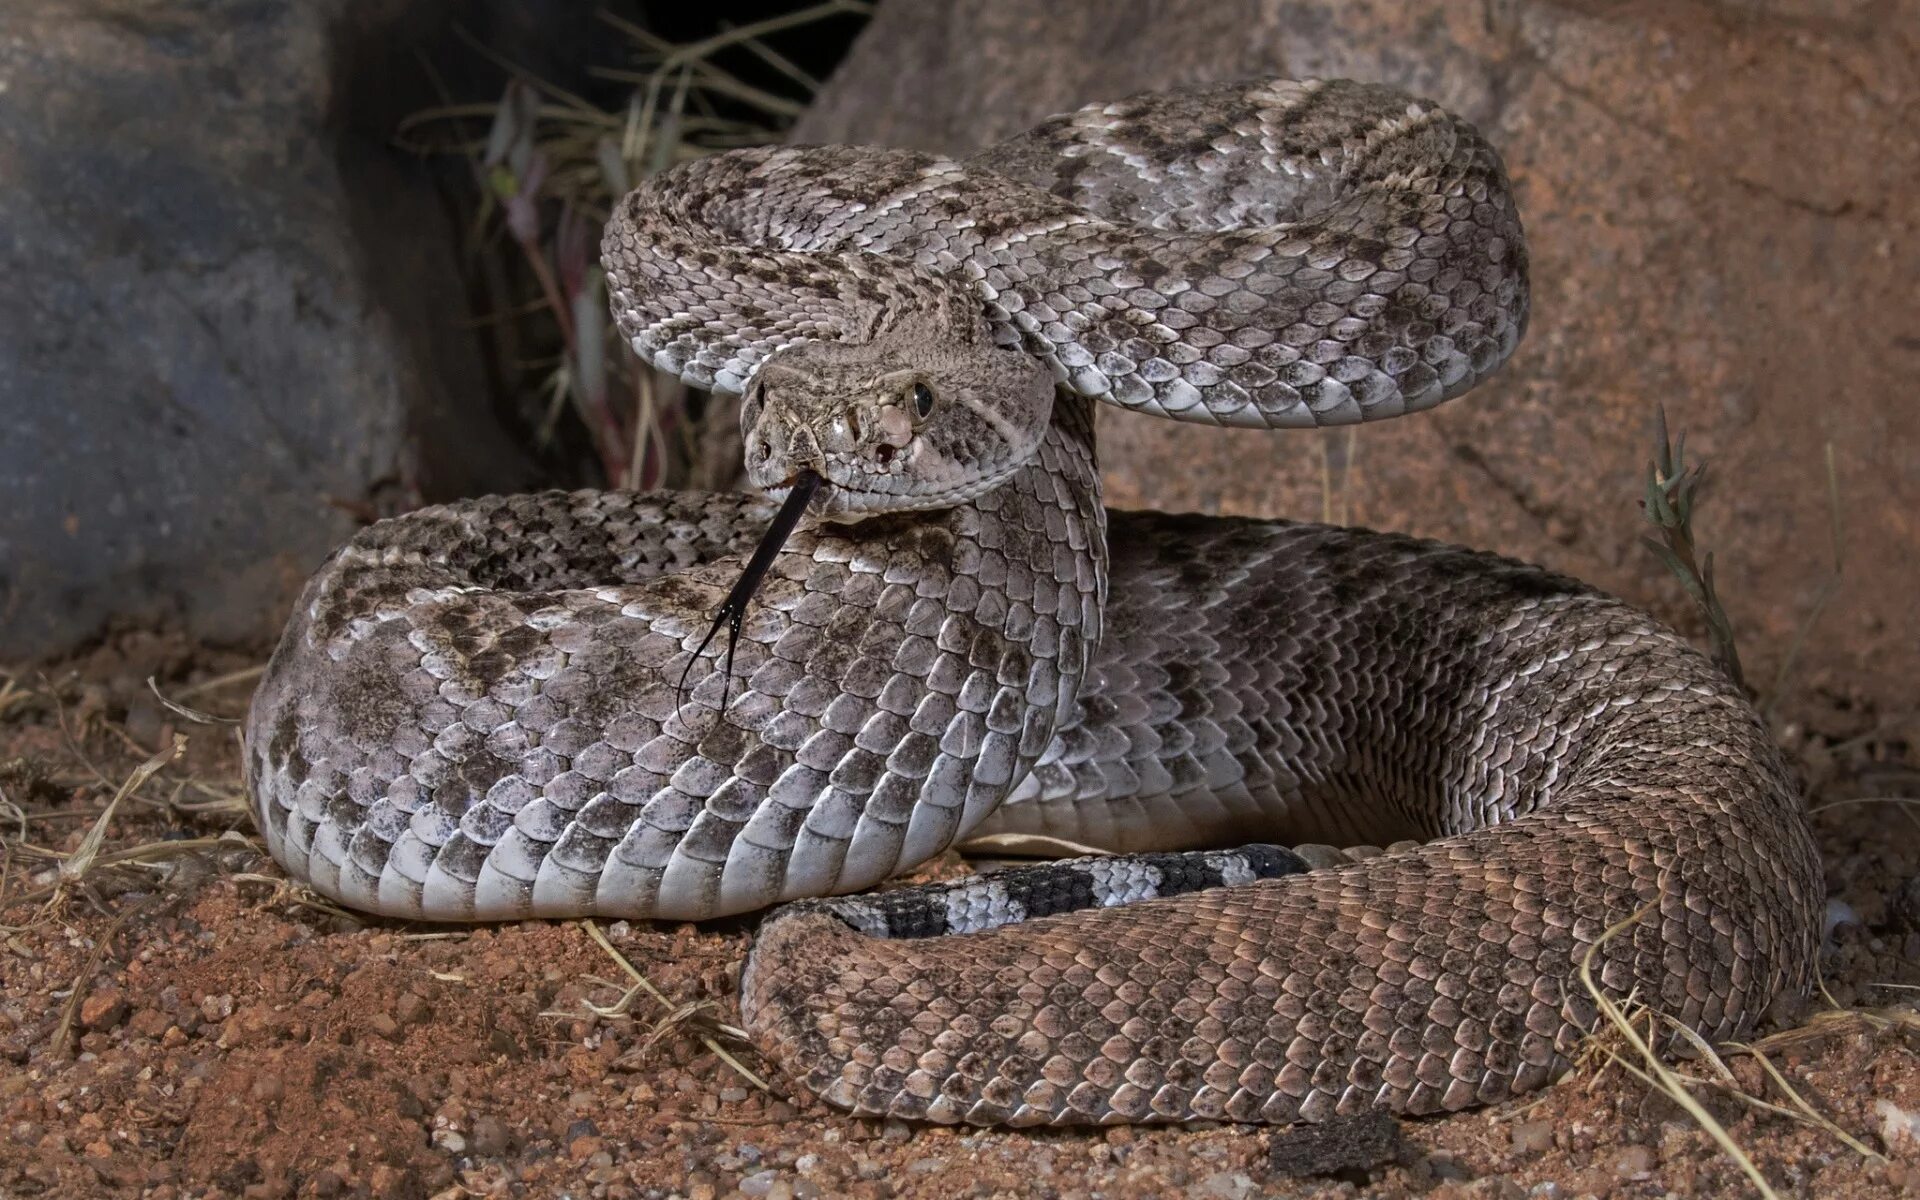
[1271,255]
[1577,762]
[474,713]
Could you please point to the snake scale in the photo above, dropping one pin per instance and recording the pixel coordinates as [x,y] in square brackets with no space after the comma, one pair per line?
[476,712]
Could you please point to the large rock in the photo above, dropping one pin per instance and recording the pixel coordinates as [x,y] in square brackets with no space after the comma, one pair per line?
[231,314]
[1721,202]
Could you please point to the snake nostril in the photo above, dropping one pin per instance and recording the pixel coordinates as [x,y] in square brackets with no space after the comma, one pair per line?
[761,451]
[883,452]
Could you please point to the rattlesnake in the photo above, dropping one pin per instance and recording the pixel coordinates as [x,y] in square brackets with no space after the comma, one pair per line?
[476,711]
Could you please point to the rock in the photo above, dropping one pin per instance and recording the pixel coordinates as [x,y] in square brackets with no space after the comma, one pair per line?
[1899,1128]
[149,1023]
[580,1149]
[1714,206]
[1533,1137]
[232,307]
[1633,1162]
[760,1183]
[1347,1147]
[103,1009]
[1446,1167]
[1222,1185]
[489,1137]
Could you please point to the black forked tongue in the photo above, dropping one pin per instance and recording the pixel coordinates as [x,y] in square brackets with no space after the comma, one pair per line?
[734,609]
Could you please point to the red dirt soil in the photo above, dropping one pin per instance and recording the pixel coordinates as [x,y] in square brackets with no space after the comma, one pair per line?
[185,1023]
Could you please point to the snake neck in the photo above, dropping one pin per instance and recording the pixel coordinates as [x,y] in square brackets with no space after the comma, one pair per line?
[895,677]
[986,616]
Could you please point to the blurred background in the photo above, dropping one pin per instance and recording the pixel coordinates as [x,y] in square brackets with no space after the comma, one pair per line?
[274,269]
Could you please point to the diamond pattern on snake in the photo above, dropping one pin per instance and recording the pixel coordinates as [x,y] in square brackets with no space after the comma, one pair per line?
[509,707]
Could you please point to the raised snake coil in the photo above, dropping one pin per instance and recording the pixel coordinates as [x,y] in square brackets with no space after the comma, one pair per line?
[472,714]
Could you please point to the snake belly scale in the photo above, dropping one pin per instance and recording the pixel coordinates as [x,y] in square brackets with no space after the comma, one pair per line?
[474,712]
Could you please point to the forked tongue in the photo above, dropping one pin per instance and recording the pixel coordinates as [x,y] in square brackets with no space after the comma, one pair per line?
[733,610]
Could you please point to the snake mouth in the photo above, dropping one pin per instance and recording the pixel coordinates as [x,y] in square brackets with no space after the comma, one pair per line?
[806,483]
[812,478]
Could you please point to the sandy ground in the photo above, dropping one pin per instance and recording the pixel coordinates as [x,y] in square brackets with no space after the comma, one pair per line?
[176,1020]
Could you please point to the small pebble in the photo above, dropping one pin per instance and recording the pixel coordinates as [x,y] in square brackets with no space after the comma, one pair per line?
[450,1140]
[384,1025]
[1222,1185]
[1634,1162]
[760,1183]
[585,1149]
[1899,1129]
[1533,1137]
[216,1008]
[103,1009]
[488,1137]
[583,1128]
[1445,1168]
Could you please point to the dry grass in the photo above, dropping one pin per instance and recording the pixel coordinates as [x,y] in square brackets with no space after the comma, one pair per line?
[1630,1032]
[548,169]
[695,1016]
[35,870]
[1672,488]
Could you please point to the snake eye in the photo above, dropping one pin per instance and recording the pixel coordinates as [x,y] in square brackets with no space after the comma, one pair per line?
[922,397]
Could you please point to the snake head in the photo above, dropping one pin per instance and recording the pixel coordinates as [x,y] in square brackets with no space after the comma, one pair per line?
[927,413]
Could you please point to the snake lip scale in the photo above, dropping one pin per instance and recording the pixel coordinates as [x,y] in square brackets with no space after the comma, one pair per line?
[1456,772]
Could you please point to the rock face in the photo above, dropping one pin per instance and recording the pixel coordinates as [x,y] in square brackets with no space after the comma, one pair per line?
[229,314]
[1721,204]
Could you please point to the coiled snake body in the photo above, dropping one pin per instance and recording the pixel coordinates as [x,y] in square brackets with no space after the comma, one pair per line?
[475,711]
